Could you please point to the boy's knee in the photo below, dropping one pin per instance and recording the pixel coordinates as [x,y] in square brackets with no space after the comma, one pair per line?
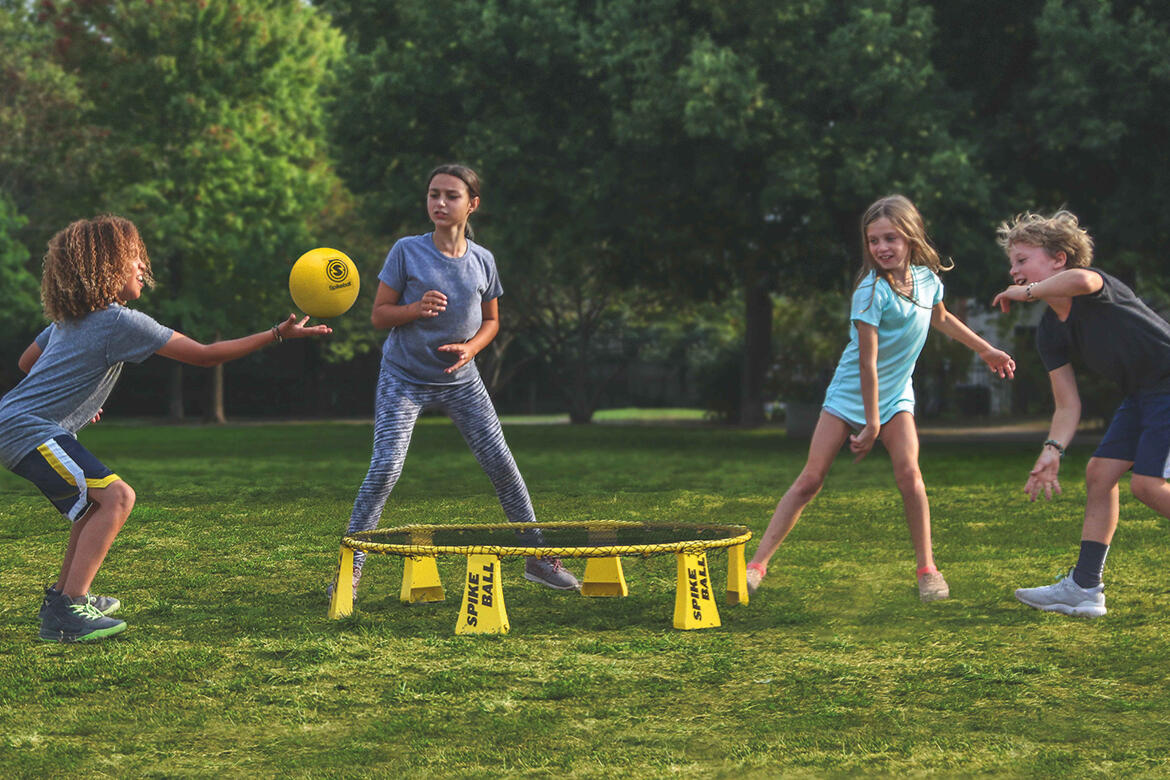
[1146,489]
[119,496]
[1099,477]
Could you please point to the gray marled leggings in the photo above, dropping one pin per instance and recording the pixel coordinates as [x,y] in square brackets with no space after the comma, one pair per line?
[397,405]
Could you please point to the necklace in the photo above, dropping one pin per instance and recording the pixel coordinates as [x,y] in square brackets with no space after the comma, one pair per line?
[905,287]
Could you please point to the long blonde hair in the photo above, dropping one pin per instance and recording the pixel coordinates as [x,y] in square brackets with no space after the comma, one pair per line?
[85,266]
[906,219]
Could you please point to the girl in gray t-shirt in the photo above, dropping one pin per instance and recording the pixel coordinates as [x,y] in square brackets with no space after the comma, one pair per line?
[438,295]
[91,270]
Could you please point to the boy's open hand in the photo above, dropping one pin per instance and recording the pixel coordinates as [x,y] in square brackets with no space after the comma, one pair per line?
[1042,478]
[1017,293]
[291,329]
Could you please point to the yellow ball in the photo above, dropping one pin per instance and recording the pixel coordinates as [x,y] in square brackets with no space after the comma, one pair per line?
[324,283]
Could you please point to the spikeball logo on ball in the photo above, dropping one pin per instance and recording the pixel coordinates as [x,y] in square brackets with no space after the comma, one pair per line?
[324,283]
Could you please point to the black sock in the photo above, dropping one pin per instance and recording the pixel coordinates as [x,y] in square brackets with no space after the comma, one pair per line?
[1091,564]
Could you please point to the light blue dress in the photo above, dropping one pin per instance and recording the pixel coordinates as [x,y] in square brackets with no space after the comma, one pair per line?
[902,325]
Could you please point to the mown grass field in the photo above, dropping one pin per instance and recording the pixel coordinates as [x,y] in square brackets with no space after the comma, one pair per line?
[231,668]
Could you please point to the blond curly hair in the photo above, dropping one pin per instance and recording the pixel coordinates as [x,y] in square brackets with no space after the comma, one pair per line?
[1061,232]
[85,267]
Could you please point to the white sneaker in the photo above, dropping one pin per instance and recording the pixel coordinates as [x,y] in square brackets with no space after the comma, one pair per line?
[1066,597]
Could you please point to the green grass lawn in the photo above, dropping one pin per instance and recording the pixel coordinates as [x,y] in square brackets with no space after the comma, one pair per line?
[230,666]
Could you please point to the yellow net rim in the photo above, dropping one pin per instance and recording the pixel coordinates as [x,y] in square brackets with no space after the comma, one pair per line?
[737,534]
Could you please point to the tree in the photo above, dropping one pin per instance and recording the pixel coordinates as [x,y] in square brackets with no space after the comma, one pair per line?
[764,129]
[45,168]
[22,308]
[509,89]
[213,122]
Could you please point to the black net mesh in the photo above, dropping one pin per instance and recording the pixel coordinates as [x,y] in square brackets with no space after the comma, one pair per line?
[563,539]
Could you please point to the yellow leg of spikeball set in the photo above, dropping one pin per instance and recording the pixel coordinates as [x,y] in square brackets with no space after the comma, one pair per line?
[420,581]
[737,590]
[342,602]
[483,610]
[604,577]
[694,606]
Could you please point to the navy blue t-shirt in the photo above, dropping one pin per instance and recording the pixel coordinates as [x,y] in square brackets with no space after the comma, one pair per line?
[1115,334]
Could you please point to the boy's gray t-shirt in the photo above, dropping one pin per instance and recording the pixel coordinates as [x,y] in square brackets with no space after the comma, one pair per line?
[415,266]
[79,364]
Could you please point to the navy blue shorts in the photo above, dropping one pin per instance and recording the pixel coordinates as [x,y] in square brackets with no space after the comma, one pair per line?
[64,471]
[1140,432]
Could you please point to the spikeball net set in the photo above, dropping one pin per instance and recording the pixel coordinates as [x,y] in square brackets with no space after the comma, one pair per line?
[601,543]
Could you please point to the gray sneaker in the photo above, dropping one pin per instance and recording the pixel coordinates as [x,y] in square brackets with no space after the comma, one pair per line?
[107,605]
[66,620]
[1066,597]
[550,572]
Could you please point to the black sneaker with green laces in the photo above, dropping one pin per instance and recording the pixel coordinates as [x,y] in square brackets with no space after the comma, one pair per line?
[107,605]
[66,620]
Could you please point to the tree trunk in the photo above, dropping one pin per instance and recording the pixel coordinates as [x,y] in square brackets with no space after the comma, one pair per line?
[757,346]
[175,392]
[215,413]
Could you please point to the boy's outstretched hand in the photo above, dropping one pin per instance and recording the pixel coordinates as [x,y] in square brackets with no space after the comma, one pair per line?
[1042,478]
[291,329]
[1016,293]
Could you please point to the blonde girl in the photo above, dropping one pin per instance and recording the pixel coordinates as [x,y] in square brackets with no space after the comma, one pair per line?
[896,300]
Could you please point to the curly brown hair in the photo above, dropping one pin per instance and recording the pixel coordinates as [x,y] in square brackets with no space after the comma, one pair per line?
[86,264]
[1061,232]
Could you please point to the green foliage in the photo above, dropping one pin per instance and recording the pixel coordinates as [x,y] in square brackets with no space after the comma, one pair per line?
[810,331]
[21,289]
[214,143]
[1101,116]
[45,157]
[230,665]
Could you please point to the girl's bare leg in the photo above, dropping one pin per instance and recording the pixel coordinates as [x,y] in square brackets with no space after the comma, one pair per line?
[900,437]
[827,439]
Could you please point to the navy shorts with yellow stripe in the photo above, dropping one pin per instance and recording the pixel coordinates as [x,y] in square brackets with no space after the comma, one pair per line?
[64,471]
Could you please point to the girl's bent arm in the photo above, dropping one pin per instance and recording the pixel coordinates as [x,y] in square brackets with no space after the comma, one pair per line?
[867,343]
[190,351]
[1067,413]
[28,357]
[467,350]
[388,313]
[996,359]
